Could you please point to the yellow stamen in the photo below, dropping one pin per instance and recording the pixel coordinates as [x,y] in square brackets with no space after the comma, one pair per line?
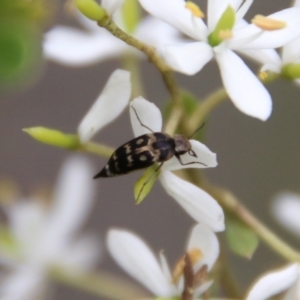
[266,23]
[194,254]
[225,34]
[195,9]
[263,75]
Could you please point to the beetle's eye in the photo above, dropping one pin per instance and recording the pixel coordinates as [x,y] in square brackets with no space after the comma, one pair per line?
[192,153]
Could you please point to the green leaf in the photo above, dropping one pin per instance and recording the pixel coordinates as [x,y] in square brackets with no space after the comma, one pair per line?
[144,184]
[54,137]
[20,52]
[241,238]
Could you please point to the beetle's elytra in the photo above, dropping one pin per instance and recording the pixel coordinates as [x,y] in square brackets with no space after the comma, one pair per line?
[146,150]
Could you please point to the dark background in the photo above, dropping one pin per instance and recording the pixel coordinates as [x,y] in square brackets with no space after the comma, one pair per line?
[256,159]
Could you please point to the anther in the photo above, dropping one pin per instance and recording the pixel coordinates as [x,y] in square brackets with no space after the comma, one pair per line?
[195,9]
[268,24]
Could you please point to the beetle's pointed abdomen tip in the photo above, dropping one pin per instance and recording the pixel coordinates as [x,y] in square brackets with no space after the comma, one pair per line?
[102,173]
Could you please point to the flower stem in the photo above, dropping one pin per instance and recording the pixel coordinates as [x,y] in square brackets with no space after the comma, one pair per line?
[102,284]
[97,149]
[205,107]
[229,202]
[130,63]
[165,71]
[174,119]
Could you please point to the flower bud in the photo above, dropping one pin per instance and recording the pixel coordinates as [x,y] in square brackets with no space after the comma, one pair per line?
[91,9]
[291,71]
[223,28]
[54,137]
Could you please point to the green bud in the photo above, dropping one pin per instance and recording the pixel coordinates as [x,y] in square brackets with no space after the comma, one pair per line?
[54,137]
[131,15]
[224,25]
[144,184]
[91,9]
[291,71]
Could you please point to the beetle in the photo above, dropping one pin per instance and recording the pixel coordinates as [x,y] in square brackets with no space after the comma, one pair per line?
[146,150]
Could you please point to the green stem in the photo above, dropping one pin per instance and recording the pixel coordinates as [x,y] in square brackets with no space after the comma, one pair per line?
[102,284]
[224,274]
[97,149]
[205,107]
[229,202]
[130,63]
[165,71]
[174,119]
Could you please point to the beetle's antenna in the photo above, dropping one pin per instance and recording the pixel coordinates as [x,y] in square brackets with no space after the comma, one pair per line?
[196,130]
[140,120]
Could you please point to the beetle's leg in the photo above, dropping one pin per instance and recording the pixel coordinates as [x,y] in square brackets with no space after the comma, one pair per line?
[140,120]
[189,163]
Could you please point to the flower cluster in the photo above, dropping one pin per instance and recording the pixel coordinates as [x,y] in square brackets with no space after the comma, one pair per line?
[42,238]
[175,37]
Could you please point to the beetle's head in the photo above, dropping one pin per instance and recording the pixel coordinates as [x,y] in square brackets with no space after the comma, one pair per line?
[183,145]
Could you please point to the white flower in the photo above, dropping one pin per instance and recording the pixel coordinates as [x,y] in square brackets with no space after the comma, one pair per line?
[199,204]
[286,279]
[73,47]
[109,105]
[286,209]
[46,237]
[290,54]
[219,39]
[138,260]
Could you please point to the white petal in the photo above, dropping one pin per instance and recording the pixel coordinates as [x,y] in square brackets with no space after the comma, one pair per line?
[297,3]
[111,5]
[294,291]
[202,288]
[204,239]
[26,220]
[176,15]
[243,10]
[149,115]
[276,38]
[243,87]
[109,105]
[291,52]
[197,203]
[188,58]
[73,199]
[164,266]
[157,33]
[204,156]
[136,258]
[273,283]
[26,283]
[81,255]
[263,56]
[286,209]
[72,47]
